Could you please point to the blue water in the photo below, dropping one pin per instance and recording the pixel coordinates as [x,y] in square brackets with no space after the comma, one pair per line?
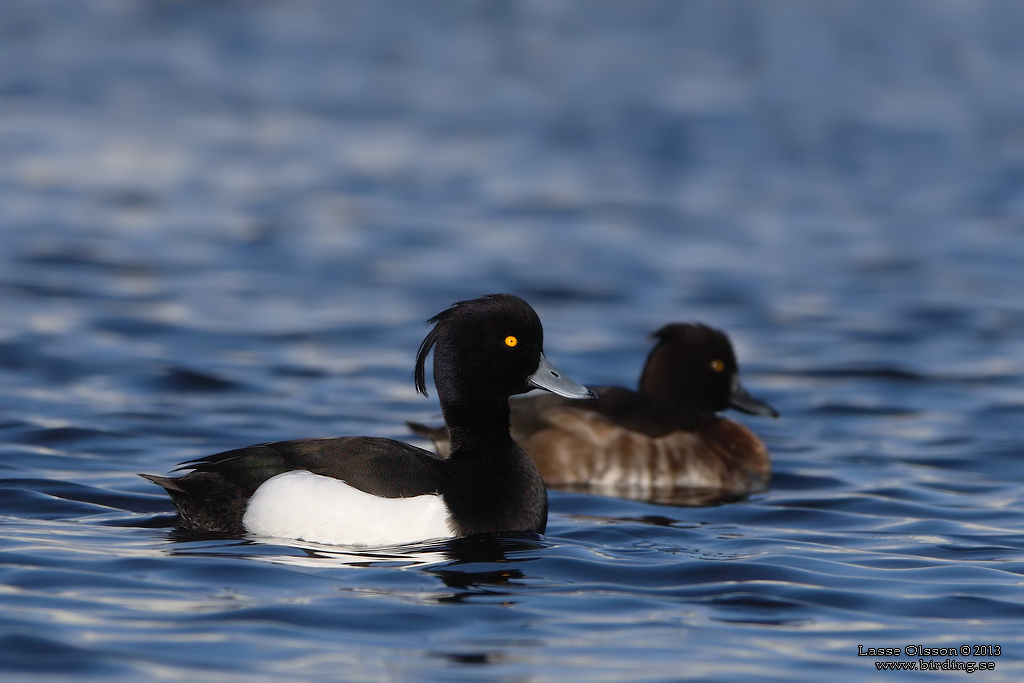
[223,223]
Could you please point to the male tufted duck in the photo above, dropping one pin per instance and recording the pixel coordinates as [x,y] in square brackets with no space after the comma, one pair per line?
[662,442]
[374,491]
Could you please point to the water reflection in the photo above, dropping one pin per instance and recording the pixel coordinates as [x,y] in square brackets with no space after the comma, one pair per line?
[471,567]
[460,563]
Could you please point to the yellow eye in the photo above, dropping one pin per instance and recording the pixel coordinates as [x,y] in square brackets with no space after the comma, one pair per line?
[717,365]
[511,341]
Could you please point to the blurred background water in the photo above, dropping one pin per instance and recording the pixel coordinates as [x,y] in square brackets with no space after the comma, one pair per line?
[223,223]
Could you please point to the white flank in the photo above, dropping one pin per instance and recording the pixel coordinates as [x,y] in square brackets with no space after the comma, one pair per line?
[307,506]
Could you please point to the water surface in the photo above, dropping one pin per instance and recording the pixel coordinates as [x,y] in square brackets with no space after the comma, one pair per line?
[226,223]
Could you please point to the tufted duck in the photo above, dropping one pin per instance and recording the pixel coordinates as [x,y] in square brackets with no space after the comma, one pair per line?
[375,491]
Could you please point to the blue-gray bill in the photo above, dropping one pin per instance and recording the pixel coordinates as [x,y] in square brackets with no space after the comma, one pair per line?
[546,377]
[744,402]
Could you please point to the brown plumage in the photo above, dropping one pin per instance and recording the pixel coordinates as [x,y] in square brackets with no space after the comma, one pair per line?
[663,442]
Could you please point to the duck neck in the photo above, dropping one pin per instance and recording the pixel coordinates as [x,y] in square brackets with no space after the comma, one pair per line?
[477,424]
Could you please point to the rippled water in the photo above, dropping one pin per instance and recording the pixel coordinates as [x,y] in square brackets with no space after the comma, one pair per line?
[225,223]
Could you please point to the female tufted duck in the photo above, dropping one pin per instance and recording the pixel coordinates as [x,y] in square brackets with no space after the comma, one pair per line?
[663,442]
[373,491]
